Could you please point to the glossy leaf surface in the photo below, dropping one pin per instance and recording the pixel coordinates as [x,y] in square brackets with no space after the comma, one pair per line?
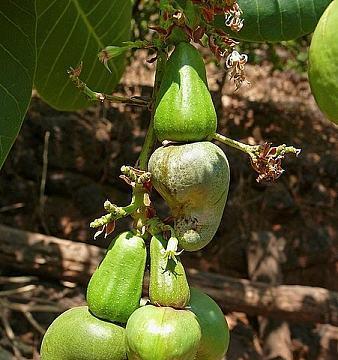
[17,64]
[74,31]
[276,20]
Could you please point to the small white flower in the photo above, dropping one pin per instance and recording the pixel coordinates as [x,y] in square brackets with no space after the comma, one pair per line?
[235,62]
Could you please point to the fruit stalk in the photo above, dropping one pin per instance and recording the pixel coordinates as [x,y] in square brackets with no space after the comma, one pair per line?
[265,160]
[117,212]
[98,96]
[150,137]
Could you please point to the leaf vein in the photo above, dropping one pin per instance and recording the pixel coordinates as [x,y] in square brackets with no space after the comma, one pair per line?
[87,23]
[107,13]
[60,52]
[53,27]
[16,60]
[19,7]
[258,21]
[281,19]
[14,24]
[46,9]
[93,8]
[13,97]
[300,18]
[115,21]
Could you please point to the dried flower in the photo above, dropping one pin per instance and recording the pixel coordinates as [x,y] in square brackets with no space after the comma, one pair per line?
[235,62]
[232,16]
[107,229]
[268,161]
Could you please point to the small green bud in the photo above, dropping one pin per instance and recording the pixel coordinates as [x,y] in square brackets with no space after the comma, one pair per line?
[111,52]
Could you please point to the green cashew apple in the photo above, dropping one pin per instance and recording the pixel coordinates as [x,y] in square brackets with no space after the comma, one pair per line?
[114,291]
[323,66]
[194,180]
[78,335]
[215,331]
[184,110]
[162,333]
[168,285]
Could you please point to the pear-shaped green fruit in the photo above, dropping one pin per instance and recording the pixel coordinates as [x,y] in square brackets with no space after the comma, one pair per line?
[323,64]
[114,291]
[168,285]
[184,108]
[78,335]
[215,331]
[162,333]
[194,180]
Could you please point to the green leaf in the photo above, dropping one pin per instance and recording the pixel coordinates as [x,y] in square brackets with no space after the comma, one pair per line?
[17,64]
[276,20]
[71,31]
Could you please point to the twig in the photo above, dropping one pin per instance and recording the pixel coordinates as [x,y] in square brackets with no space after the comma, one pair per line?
[30,307]
[10,334]
[17,279]
[150,137]
[42,198]
[116,212]
[12,207]
[20,290]
[265,159]
[38,300]
[236,144]
[34,323]
[73,261]
[98,96]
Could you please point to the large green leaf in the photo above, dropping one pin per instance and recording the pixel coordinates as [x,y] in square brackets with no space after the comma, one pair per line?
[71,31]
[17,67]
[276,20]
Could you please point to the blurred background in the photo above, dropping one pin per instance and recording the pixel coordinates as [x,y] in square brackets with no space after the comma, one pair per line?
[273,237]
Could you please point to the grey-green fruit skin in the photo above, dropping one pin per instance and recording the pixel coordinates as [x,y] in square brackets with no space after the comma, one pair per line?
[114,291]
[162,333]
[78,335]
[184,108]
[215,331]
[194,180]
[168,285]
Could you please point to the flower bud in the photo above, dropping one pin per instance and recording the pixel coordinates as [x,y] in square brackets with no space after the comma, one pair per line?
[111,52]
